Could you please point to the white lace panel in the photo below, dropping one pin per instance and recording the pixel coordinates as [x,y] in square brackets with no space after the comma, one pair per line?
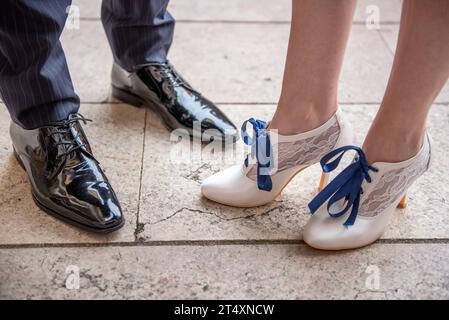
[303,152]
[393,184]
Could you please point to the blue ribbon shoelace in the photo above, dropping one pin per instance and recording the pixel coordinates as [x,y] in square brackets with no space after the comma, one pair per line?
[346,186]
[261,149]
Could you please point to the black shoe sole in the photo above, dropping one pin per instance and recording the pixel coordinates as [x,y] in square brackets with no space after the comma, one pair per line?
[63,218]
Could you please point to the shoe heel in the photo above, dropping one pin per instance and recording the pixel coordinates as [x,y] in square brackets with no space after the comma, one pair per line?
[16,155]
[403,203]
[126,96]
[323,181]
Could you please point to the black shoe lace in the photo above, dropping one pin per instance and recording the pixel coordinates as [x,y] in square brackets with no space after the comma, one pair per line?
[66,139]
[170,73]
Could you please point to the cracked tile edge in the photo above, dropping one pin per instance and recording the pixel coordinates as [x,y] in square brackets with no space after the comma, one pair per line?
[138,228]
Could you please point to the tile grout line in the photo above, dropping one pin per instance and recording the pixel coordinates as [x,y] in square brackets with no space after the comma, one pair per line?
[205,21]
[384,41]
[136,229]
[204,243]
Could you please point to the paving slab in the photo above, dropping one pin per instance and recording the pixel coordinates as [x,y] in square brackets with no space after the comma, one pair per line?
[248,10]
[116,136]
[244,62]
[89,59]
[389,11]
[188,247]
[387,271]
[171,207]
[390,34]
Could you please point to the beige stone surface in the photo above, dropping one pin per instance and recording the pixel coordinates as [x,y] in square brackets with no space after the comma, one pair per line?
[247,59]
[269,11]
[89,59]
[387,271]
[247,10]
[390,35]
[243,64]
[172,208]
[116,137]
[176,244]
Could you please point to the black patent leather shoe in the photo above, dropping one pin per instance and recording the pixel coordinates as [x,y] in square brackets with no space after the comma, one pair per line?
[159,87]
[66,180]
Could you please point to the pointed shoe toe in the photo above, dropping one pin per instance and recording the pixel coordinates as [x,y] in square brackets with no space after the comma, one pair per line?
[218,128]
[231,187]
[106,215]
[326,233]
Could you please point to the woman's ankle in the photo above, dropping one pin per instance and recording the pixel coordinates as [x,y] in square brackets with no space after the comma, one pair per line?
[292,120]
[394,145]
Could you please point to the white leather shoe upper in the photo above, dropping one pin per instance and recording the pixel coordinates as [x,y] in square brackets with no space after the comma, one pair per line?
[378,201]
[238,186]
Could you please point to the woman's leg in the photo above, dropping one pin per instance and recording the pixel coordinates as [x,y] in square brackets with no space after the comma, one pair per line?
[420,69]
[318,37]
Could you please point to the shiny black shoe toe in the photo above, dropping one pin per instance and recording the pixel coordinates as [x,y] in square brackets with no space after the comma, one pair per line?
[66,180]
[159,87]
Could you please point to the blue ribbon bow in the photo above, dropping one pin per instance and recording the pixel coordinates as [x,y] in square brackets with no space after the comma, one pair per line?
[261,148]
[347,185]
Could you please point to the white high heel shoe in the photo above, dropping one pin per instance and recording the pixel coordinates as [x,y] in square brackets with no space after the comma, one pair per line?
[277,160]
[354,209]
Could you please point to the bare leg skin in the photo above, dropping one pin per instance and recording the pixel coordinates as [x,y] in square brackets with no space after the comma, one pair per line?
[318,37]
[420,70]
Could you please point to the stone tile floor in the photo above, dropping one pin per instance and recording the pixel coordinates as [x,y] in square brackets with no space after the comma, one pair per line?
[176,244]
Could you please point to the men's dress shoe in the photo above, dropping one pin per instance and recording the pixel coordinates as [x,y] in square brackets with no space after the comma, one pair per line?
[66,180]
[261,179]
[159,87]
[353,210]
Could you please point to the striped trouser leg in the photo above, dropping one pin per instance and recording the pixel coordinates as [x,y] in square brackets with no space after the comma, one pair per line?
[138,31]
[35,82]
